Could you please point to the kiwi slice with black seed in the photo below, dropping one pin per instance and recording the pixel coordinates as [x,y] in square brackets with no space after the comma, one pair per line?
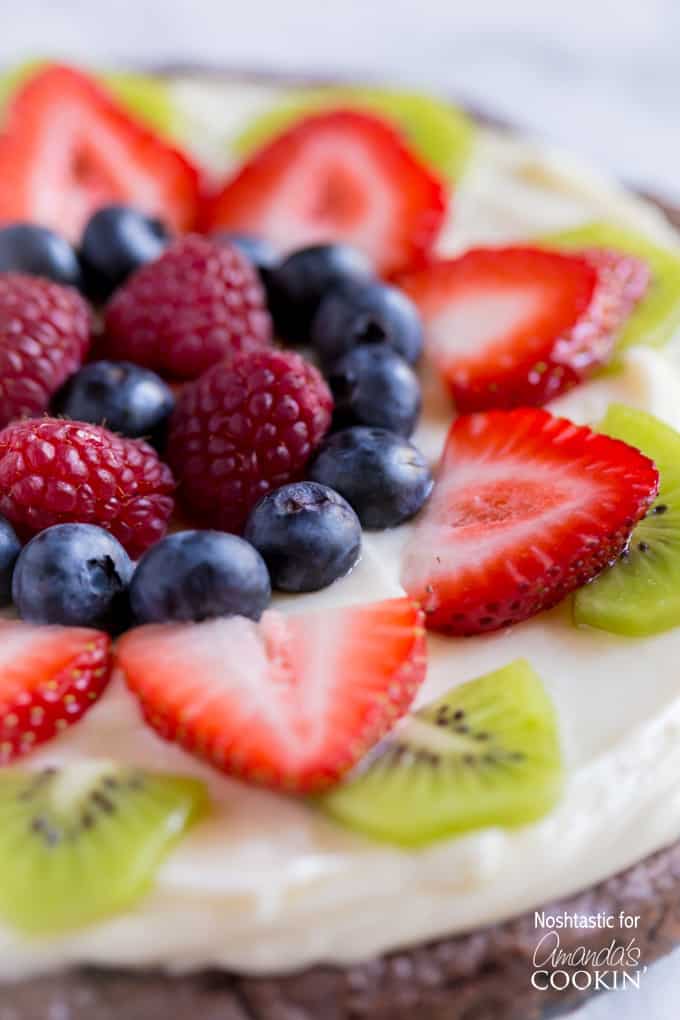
[640,594]
[82,842]
[487,753]
[657,315]
[440,133]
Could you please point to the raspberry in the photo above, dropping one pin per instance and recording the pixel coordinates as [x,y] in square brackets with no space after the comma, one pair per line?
[44,336]
[54,471]
[247,426]
[187,310]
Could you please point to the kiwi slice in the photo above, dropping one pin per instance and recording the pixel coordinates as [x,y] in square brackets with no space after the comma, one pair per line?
[486,753]
[640,594]
[148,98]
[656,317]
[440,133]
[81,842]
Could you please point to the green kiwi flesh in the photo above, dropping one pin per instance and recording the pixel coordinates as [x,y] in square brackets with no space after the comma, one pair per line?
[487,753]
[82,842]
[146,97]
[656,317]
[441,134]
[149,98]
[640,594]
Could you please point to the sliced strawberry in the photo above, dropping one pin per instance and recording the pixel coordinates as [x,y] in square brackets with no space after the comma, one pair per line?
[68,148]
[336,176]
[49,678]
[517,326]
[292,702]
[527,507]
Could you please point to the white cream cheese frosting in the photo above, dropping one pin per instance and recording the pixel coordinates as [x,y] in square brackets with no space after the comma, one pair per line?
[266,884]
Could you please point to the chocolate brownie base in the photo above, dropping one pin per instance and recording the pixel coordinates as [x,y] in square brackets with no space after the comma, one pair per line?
[486,975]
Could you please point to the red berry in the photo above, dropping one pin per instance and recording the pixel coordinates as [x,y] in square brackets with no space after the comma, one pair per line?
[44,336]
[49,678]
[68,147]
[53,472]
[337,175]
[291,702]
[247,426]
[526,508]
[187,310]
[508,327]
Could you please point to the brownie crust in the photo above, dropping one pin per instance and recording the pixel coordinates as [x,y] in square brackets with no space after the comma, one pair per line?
[483,975]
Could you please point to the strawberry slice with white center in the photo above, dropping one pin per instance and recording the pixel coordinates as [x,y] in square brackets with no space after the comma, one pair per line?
[526,508]
[336,176]
[49,678]
[291,702]
[67,148]
[516,326]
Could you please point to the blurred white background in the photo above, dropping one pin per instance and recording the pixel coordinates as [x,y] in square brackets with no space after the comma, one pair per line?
[599,77]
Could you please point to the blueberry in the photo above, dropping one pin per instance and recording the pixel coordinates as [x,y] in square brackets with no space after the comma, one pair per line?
[383,476]
[118,240]
[366,313]
[299,283]
[373,385]
[10,547]
[307,534]
[195,575]
[126,398]
[256,249]
[73,574]
[28,248]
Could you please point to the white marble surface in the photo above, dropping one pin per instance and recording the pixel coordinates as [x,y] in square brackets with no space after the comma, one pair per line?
[597,76]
